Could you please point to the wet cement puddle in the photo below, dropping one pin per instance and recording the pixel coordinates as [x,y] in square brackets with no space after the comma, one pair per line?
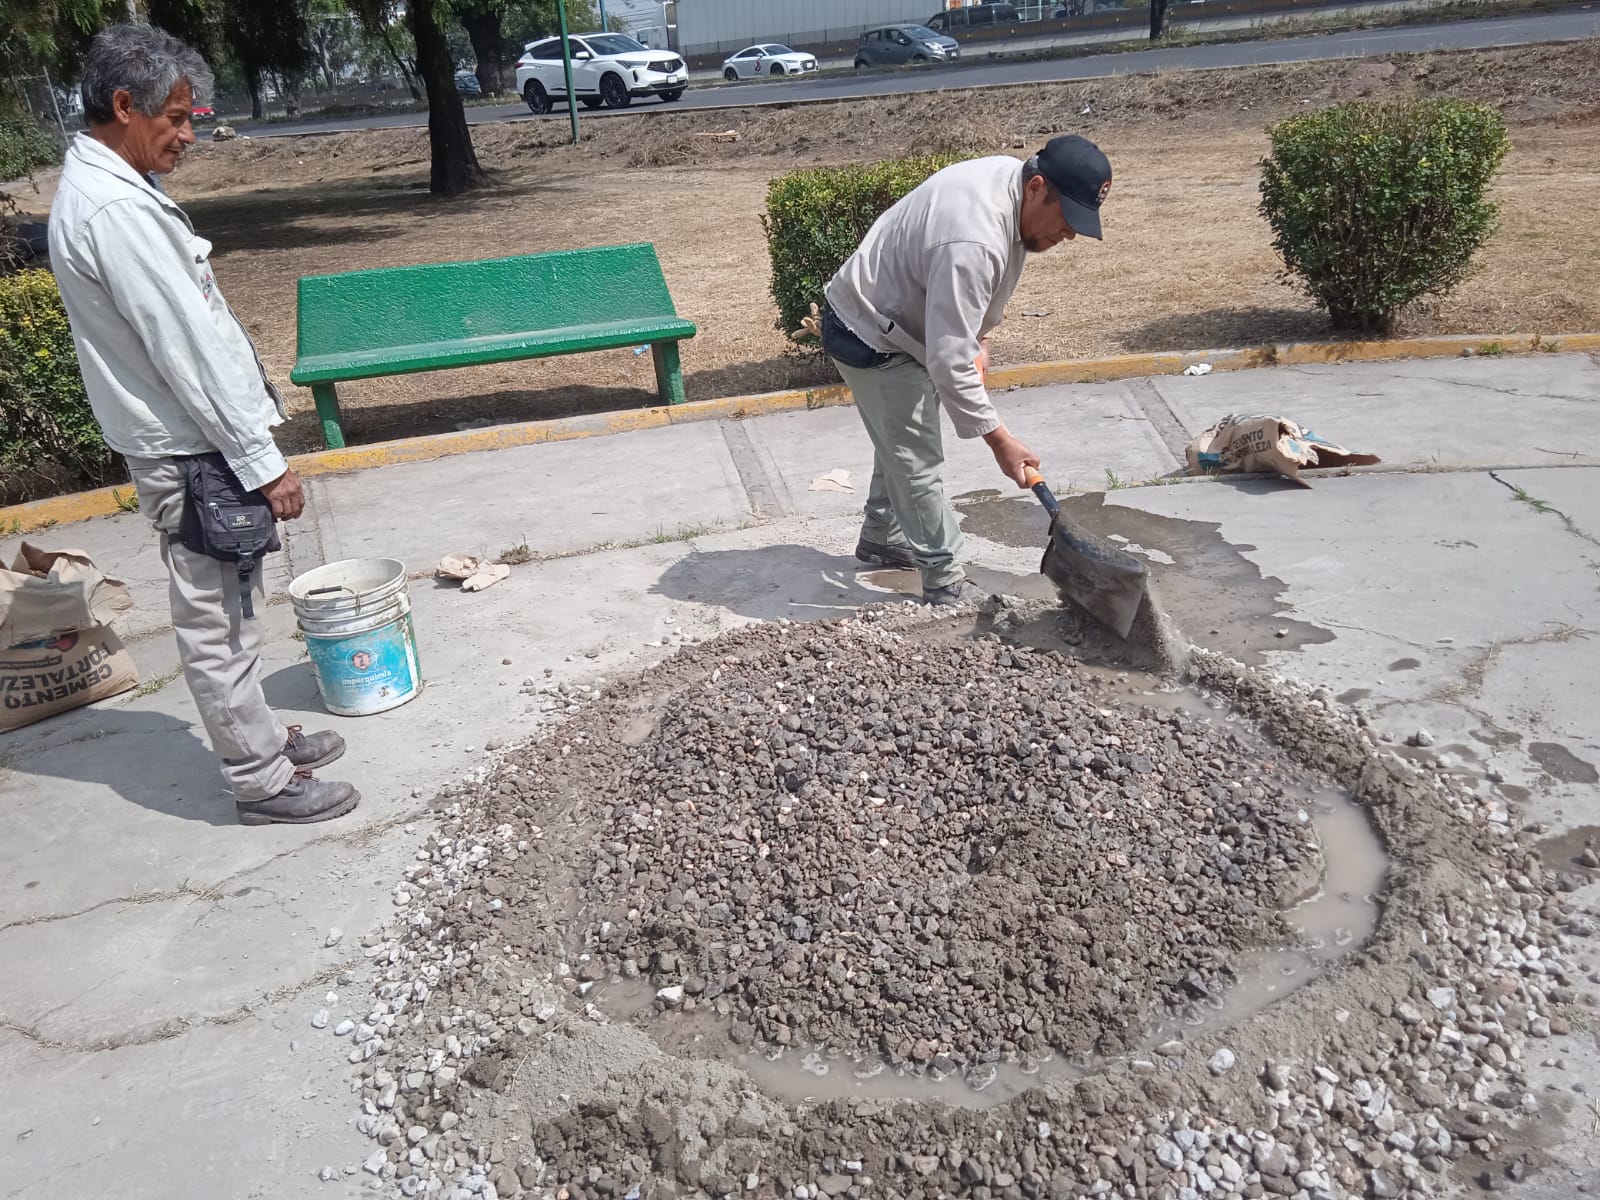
[1214,594]
[1562,764]
[1332,921]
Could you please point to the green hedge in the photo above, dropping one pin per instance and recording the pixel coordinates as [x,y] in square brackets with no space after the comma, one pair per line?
[49,442]
[1373,206]
[25,146]
[817,217]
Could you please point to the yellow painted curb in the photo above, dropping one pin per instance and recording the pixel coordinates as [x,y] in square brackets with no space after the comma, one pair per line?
[80,506]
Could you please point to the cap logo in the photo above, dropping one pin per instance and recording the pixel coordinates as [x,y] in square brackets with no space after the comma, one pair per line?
[1105,190]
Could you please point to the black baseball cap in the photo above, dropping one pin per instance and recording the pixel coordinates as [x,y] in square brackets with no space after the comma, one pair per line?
[1077,169]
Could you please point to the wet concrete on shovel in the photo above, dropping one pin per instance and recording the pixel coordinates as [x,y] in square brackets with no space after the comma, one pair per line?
[1212,592]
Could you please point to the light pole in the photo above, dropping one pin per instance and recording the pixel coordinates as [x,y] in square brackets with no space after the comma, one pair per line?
[566,66]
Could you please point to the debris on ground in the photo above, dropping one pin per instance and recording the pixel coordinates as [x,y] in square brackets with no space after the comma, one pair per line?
[879,837]
[836,480]
[1272,444]
[473,572]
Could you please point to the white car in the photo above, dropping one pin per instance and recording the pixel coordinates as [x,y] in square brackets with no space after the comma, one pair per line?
[607,68]
[772,59]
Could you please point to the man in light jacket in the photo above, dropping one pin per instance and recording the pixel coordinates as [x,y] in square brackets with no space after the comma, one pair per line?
[170,373]
[907,322]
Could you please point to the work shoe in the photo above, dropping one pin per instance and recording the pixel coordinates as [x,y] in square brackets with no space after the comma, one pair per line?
[962,591]
[309,751]
[304,802]
[899,557]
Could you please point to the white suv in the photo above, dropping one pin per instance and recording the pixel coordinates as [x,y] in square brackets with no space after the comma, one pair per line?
[607,68]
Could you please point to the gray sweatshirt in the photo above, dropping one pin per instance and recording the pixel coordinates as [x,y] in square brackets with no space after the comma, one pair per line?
[933,276]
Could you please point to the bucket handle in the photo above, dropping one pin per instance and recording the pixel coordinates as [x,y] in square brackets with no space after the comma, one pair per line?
[337,587]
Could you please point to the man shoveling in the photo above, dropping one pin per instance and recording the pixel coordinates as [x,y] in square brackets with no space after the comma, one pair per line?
[907,322]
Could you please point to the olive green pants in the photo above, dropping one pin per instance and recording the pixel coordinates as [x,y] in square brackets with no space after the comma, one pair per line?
[906,504]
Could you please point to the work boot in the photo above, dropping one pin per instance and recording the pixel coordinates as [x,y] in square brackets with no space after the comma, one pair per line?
[309,751]
[899,557]
[962,591]
[305,801]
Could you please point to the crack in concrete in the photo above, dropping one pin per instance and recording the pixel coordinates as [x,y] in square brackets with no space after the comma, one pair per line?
[1476,672]
[212,892]
[174,1027]
[1378,633]
[1465,383]
[1545,507]
[1511,392]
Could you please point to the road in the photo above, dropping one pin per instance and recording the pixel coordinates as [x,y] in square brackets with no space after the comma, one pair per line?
[1462,35]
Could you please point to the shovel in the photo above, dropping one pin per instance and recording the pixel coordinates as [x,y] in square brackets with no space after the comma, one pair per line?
[1108,583]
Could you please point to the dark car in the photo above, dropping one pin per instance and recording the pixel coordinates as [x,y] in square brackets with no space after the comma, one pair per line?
[975,18]
[892,45]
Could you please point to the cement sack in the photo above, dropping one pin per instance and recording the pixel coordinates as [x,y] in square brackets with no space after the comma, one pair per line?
[1255,443]
[60,673]
[49,592]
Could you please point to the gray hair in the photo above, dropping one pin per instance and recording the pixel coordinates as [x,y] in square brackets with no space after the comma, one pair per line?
[1030,170]
[143,61]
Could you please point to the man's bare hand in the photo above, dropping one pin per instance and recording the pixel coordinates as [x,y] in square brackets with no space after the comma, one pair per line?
[1013,457]
[287,497]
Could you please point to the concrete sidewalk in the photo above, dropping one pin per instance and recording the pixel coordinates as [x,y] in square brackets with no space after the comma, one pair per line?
[163,963]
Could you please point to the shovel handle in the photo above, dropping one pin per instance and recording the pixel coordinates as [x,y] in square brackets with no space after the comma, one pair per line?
[1042,490]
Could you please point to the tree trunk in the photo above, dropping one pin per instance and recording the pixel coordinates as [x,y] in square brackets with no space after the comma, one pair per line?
[1158,19]
[455,165]
[405,71]
[252,83]
[483,30]
[320,50]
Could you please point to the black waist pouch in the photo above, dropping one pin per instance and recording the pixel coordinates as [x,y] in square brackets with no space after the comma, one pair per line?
[839,343]
[222,520]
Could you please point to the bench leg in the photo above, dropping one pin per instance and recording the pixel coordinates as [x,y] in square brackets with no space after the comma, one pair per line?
[669,372]
[327,398]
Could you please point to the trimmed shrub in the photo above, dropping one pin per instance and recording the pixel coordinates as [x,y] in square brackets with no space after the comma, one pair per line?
[1374,206]
[25,146]
[49,441]
[817,217]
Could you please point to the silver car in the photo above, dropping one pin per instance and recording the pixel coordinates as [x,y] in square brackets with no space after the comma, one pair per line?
[893,45]
[768,61]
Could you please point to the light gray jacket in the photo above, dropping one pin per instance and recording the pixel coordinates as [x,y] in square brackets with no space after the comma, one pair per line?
[167,367]
[932,278]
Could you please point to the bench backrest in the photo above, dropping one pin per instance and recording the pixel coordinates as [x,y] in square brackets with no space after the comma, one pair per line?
[448,302]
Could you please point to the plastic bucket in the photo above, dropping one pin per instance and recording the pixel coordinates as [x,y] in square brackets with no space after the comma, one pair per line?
[356,618]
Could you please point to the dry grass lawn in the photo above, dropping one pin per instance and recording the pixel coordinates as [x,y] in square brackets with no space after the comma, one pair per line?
[1187,262]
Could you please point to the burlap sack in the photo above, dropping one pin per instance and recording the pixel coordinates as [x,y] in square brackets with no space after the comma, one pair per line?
[1254,443]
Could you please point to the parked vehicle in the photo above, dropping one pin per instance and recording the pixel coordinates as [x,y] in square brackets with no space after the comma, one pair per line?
[607,68]
[467,83]
[768,61]
[203,112]
[892,45]
[974,18]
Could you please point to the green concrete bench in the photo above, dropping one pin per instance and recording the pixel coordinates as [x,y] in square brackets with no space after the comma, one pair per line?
[399,320]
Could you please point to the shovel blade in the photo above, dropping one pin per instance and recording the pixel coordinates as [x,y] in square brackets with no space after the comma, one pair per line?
[1105,581]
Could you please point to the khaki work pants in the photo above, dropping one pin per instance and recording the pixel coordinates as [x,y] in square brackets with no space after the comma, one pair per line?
[906,504]
[219,649]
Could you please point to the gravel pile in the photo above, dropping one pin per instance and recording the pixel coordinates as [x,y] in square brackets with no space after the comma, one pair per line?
[944,852]
[555,872]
